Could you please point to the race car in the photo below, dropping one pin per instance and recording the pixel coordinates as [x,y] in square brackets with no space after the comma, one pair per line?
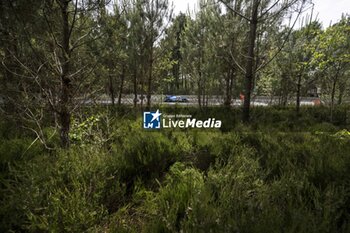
[173,98]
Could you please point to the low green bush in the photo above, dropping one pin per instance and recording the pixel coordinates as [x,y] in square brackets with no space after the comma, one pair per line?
[242,196]
[281,173]
[66,192]
[172,204]
[145,154]
[17,149]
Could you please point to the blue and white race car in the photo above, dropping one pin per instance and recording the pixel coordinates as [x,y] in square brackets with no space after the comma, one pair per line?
[175,99]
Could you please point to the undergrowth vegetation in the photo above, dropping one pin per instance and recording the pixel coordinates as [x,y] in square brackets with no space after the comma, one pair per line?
[281,173]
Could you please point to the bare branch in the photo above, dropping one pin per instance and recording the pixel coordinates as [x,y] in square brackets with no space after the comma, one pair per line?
[235,11]
[74,18]
[265,12]
[283,8]
[51,31]
[284,42]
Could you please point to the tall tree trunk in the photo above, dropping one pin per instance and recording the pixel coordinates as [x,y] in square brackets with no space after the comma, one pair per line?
[284,92]
[142,97]
[65,98]
[229,87]
[122,78]
[199,85]
[333,96]
[249,76]
[341,94]
[111,90]
[183,83]
[284,100]
[203,93]
[176,73]
[227,102]
[232,78]
[298,93]
[149,85]
[135,87]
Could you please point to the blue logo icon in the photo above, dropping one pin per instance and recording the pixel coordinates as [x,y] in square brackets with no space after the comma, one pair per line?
[151,120]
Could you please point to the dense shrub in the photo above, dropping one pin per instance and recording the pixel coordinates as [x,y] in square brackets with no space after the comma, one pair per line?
[281,173]
[241,195]
[57,193]
[17,149]
[170,207]
[147,154]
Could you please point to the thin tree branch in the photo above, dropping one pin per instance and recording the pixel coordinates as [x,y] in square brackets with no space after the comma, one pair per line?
[262,14]
[284,42]
[235,11]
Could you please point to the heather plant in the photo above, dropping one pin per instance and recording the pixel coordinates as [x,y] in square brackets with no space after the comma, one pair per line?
[255,178]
